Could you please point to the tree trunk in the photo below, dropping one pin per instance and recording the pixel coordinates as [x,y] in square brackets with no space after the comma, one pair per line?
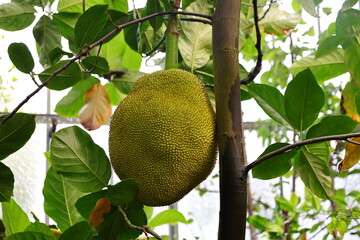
[233,179]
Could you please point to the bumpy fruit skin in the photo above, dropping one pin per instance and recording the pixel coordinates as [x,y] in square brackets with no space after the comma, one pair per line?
[162,135]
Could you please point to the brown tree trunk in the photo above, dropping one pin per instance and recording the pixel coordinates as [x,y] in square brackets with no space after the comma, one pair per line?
[233,179]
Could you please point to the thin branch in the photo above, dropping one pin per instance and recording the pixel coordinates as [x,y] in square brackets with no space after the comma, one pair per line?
[287,148]
[33,78]
[91,46]
[353,142]
[113,73]
[42,5]
[96,62]
[267,10]
[257,68]
[156,47]
[83,5]
[145,229]
[196,20]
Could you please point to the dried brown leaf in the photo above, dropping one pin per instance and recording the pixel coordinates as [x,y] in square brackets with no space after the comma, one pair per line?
[96,217]
[352,155]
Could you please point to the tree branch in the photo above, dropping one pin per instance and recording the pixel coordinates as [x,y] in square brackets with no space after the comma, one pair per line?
[257,68]
[91,46]
[287,148]
[145,229]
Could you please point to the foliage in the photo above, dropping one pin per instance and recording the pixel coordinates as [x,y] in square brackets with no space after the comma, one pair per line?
[109,42]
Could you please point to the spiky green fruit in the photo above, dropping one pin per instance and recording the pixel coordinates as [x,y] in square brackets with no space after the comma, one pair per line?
[162,135]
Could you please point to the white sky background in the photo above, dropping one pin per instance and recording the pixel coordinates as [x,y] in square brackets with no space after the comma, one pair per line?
[204,210]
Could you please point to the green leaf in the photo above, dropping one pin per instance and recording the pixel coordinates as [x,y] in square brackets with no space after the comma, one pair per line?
[315,173]
[75,155]
[56,54]
[320,149]
[15,133]
[122,193]
[114,94]
[114,227]
[120,5]
[64,79]
[21,57]
[169,216]
[95,64]
[13,224]
[304,99]
[86,204]
[275,166]
[264,224]
[76,6]
[6,183]
[126,82]
[278,22]
[30,236]
[270,100]
[39,227]
[59,200]
[79,231]
[65,22]
[342,227]
[16,16]
[154,6]
[348,27]
[309,6]
[89,25]
[119,55]
[323,68]
[327,46]
[352,62]
[348,4]
[332,125]
[70,104]
[195,41]
[47,36]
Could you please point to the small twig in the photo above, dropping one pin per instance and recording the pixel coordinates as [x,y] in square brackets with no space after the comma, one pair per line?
[156,47]
[296,145]
[113,73]
[42,5]
[257,68]
[145,229]
[251,5]
[96,62]
[267,10]
[83,5]
[91,46]
[353,142]
[33,78]
[196,20]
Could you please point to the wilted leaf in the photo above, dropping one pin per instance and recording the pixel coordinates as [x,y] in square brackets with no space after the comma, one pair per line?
[352,155]
[96,217]
[97,108]
[348,101]
[278,22]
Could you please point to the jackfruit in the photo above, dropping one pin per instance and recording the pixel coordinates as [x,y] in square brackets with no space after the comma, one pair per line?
[162,135]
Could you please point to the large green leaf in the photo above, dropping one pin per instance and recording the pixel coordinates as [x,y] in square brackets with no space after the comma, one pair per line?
[122,193]
[15,133]
[39,227]
[13,224]
[75,155]
[30,236]
[120,5]
[278,22]
[79,231]
[352,62]
[320,150]
[47,36]
[70,104]
[327,46]
[304,99]
[64,79]
[6,183]
[119,55]
[348,27]
[21,57]
[315,173]
[86,204]
[89,25]
[59,200]
[169,216]
[76,5]
[154,6]
[332,125]
[270,100]
[323,68]
[195,41]
[16,16]
[65,21]
[275,166]
[115,227]
[126,82]
[309,6]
